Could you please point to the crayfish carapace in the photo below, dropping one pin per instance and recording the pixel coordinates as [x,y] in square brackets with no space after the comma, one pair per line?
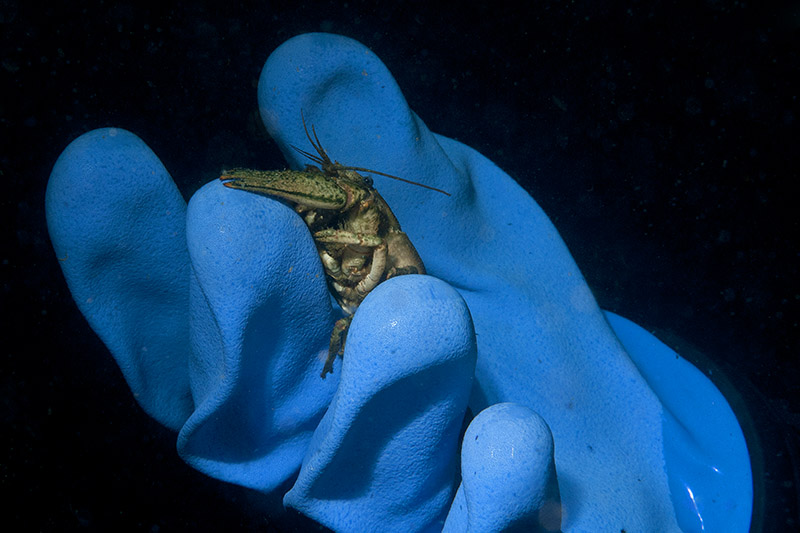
[357,235]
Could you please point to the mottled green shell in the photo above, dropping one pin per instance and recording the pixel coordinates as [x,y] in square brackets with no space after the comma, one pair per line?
[307,188]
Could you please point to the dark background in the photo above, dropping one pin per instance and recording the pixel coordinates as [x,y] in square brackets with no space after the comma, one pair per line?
[660,137]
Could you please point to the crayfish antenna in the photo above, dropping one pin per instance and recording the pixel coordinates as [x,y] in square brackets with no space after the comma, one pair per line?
[325,162]
[315,158]
[323,158]
[360,169]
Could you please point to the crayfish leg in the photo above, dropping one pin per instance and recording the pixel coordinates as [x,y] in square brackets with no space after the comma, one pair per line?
[338,338]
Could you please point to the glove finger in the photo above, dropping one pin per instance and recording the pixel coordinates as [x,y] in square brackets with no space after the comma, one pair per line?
[116,220]
[361,118]
[261,320]
[508,474]
[384,457]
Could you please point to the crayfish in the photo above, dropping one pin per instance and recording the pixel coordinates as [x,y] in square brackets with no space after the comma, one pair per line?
[357,235]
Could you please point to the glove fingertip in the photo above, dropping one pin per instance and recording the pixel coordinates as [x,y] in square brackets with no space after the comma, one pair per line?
[116,221]
[508,472]
[385,455]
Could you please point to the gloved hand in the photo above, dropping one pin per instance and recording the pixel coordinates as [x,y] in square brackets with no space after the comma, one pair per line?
[219,317]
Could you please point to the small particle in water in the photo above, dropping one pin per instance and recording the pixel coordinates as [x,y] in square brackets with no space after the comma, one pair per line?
[693,106]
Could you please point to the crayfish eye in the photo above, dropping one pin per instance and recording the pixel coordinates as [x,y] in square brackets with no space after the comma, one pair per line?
[367,181]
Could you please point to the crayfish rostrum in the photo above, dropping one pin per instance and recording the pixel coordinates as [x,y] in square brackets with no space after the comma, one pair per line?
[357,235]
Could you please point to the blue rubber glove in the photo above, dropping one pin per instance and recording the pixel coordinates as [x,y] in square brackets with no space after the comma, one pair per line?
[221,331]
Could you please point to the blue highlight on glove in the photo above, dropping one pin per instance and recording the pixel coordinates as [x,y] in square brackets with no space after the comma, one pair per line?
[219,317]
